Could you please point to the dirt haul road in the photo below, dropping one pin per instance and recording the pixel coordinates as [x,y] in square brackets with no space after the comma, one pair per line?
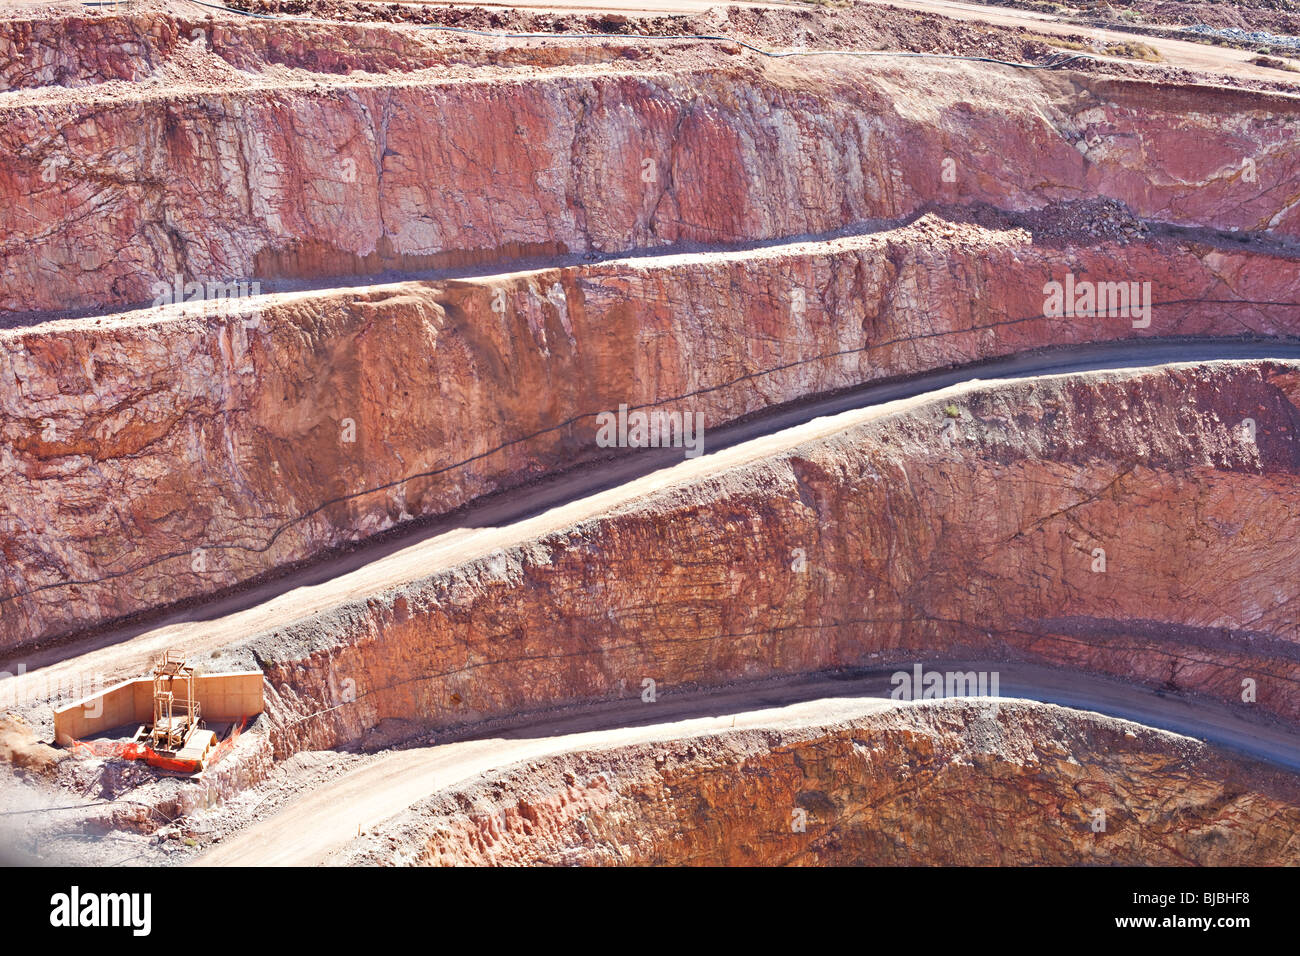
[308,830]
[1183,54]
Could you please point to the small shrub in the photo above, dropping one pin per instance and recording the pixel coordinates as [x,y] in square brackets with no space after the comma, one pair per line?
[1134,51]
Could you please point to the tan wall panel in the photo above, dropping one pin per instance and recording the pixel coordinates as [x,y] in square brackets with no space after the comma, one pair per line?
[221,697]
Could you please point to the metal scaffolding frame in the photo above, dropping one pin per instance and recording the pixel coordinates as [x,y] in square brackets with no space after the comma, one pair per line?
[175,716]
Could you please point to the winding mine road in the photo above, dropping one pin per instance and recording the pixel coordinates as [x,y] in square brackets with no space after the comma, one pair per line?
[506,518]
[313,827]
[307,830]
[1182,54]
[310,828]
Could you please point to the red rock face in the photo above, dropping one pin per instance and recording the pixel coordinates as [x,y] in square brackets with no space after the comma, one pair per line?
[450,256]
[132,444]
[107,199]
[948,783]
[921,536]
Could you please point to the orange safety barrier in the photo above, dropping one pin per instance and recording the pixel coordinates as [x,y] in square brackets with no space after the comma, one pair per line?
[228,744]
[108,748]
[167,763]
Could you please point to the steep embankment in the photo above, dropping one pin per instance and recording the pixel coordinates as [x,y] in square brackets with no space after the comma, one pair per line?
[360,176]
[167,456]
[1116,522]
[940,783]
[157,456]
[448,254]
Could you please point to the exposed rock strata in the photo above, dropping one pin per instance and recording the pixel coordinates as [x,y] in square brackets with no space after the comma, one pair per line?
[910,536]
[949,783]
[128,445]
[354,176]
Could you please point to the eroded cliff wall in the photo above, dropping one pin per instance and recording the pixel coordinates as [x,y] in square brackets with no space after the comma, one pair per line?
[1119,522]
[953,783]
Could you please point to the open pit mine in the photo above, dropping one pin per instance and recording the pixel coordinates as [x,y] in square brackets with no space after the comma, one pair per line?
[762,434]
